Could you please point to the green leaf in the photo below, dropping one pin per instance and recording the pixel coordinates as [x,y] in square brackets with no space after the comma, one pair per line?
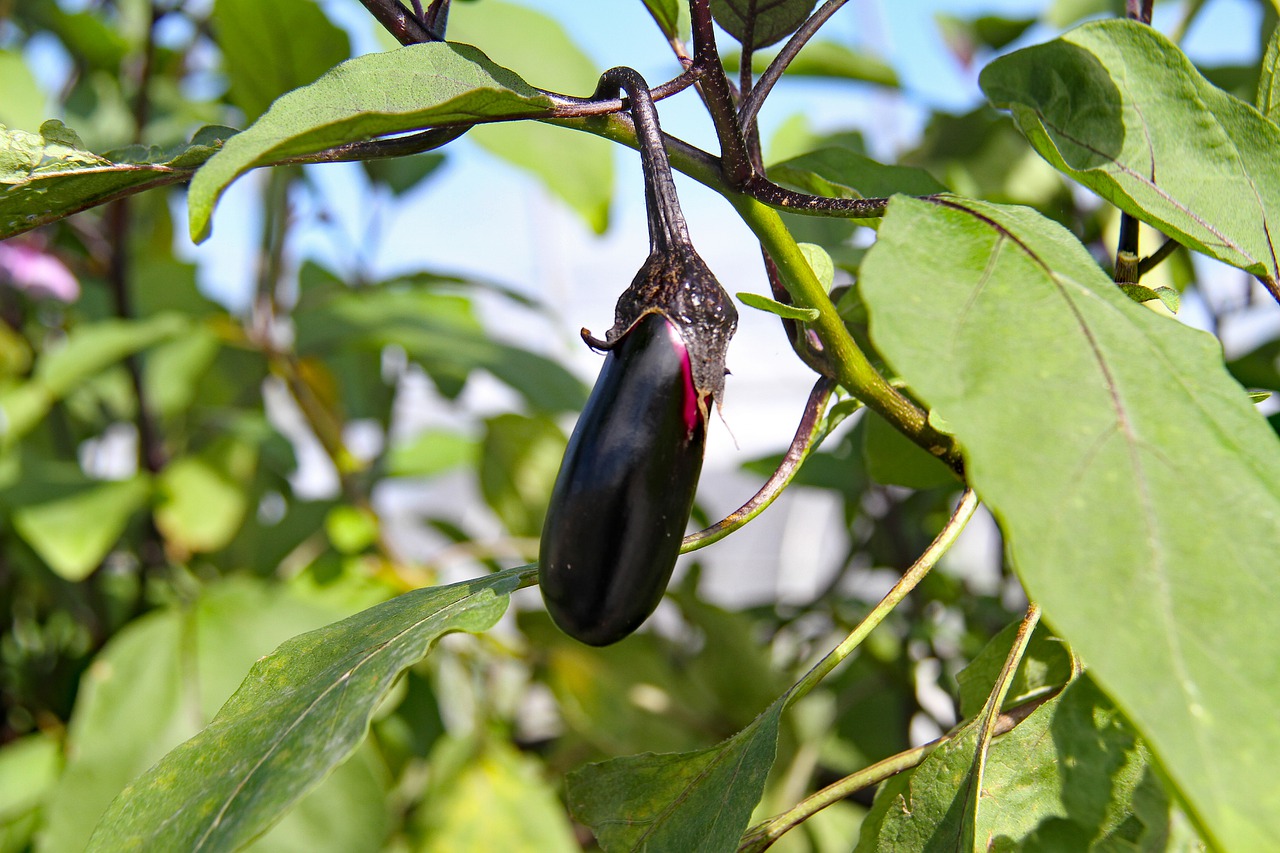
[825,59]
[489,796]
[351,529]
[577,167]
[892,459]
[401,174]
[1117,107]
[439,331]
[1073,776]
[369,96]
[268,50]
[666,13]
[1045,666]
[431,452]
[76,526]
[24,104]
[838,172]
[787,312]
[687,801]
[154,685]
[301,712]
[966,36]
[1075,408]
[1268,98]
[203,498]
[519,460]
[29,767]
[48,175]
[760,23]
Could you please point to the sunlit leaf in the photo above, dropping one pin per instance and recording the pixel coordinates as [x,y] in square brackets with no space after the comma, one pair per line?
[667,15]
[48,175]
[1080,411]
[301,711]
[366,97]
[1119,108]
[840,173]
[1045,665]
[787,312]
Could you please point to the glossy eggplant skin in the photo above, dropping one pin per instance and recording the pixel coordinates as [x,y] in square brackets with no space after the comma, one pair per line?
[625,489]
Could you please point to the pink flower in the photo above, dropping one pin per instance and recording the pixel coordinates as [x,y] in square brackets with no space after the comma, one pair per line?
[26,266]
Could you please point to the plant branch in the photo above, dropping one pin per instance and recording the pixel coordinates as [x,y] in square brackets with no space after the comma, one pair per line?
[926,561]
[808,436]
[718,95]
[753,100]
[1128,270]
[763,835]
[1138,10]
[400,22]
[1167,248]
[852,368]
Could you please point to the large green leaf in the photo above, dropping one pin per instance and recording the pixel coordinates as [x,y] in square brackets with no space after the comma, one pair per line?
[373,95]
[48,175]
[301,712]
[841,173]
[1138,489]
[152,687]
[271,48]
[760,23]
[575,166]
[1119,108]
[687,801]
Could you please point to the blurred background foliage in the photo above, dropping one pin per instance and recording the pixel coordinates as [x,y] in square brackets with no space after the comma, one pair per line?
[155,539]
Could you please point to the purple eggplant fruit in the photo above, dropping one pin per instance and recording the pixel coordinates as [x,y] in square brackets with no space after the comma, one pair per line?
[626,486]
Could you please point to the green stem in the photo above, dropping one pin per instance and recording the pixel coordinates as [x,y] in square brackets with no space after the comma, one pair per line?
[853,370]
[926,561]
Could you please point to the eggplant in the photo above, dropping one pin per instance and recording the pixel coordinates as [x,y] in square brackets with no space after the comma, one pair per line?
[626,486]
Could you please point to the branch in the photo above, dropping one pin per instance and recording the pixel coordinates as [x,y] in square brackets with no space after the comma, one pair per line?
[753,100]
[763,835]
[400,22]
[807,437]
[1167,248]
[718,96]
[926,561]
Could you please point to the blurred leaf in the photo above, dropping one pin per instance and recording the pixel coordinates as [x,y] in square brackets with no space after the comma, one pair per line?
[173,369]
[371,95]
[575,166]
[760,23]
[1259,368]
[519,460]
[966,36]
[1268,97]
[1063,13]
[301,712]
[892,459]
[841,173]
[73,522]
[440,332]
[489,796]
[87,351]
[1045,665]
[688,801]
[825,59]
[48,175]
[154,684]
[1025,345]
[202,499]
[268,50]
[787,312]
[351,529]
[1119,108]
[23,106]
[401,174]
[431,452]
[29,768]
